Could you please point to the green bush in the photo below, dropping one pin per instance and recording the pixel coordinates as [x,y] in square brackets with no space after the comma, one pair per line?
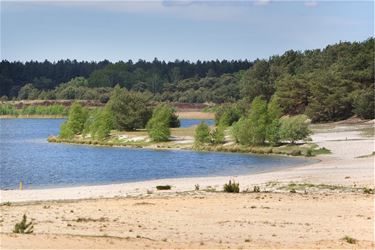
[232,187]
[294,128]
[23,227]
[162,118]
[130,110]
[251,129]
[217,135]
[202,134]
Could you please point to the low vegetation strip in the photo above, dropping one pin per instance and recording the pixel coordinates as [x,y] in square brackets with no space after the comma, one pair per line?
[29,111]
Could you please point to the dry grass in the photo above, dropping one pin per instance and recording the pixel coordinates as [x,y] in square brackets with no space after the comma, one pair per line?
[195,115]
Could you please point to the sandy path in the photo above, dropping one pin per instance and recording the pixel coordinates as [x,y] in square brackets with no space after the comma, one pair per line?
[197,220]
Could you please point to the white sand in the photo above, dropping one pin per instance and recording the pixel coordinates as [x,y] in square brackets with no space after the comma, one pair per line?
[342,167]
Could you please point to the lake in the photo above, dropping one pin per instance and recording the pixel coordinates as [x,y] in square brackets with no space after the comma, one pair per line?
[26,155]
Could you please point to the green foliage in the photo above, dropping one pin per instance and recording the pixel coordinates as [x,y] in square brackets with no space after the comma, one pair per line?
[75,122]
[28,92]
[65,131]
[364,101]
[326,84]
[23,227]
[252,129]
[8,110]
[99,124]
[130,110]
[158,131]
[294,128]
[350,240]
[274,113]
[158,126]
[217,135]
[227,114]
[202,134]
[256,81]
[232,187]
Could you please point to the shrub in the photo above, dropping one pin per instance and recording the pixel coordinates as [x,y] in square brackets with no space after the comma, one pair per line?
[232,187]
[65,131]
[217,135]
[23,227]
[77,118]
[294,128]
[130,110]
[251,129]
[309,152]
[164,187]
[162,118]
[368,190]
[350,240]
[295,152]
[99,124]
[159,131]
[202,134]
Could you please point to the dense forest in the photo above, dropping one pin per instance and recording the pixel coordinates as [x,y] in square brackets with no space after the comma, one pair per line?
[140,76]
[326,84]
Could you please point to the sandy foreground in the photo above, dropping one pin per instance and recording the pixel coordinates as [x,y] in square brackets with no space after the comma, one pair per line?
[135,215]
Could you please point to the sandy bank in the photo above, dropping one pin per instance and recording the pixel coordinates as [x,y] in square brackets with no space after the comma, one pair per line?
[197,220]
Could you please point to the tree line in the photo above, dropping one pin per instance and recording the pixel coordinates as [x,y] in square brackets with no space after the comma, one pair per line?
[327,84]
[139,76]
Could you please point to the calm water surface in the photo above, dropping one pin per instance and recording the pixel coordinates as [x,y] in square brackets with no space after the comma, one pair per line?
[26,155]
[191,122]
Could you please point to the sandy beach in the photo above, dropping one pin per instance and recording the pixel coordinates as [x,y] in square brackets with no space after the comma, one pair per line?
[328,205]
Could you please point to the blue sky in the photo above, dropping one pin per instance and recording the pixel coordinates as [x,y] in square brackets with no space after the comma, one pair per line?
[169,30]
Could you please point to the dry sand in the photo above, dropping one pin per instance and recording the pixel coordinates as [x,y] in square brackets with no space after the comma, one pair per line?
[130,218]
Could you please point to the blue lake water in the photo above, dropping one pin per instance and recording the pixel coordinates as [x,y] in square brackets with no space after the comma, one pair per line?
[192,122]
[26,155]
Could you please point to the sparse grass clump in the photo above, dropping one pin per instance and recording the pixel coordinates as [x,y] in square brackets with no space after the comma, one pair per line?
[368,190]
[164,187]
[321,151]
[232,187]
[23,227]
[350,240]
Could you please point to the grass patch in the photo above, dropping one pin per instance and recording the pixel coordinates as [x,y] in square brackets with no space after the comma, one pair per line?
[303,186]
[164,187]
[83,219]
[321,151]
[368,190]
[232,187]
[23,227]
[350,240]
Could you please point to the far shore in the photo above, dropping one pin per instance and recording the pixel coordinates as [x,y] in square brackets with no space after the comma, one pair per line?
[199,115]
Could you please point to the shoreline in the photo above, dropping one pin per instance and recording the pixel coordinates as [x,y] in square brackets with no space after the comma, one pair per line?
[346,167]
[32,116]
[297,207]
